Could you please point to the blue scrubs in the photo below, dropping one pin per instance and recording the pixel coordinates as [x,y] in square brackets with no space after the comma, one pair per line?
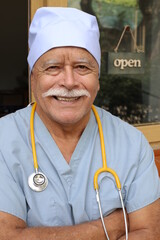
[70,196]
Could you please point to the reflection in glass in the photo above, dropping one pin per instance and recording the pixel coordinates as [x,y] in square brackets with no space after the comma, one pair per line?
[133,97]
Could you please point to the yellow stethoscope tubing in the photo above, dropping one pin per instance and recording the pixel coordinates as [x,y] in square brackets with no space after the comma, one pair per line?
[33,138]
[104,160]
[109,170]
[99,171]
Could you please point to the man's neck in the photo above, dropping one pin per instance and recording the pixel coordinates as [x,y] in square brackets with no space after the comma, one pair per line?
[66,136]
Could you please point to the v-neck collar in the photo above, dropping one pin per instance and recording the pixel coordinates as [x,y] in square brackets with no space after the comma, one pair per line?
[44,138]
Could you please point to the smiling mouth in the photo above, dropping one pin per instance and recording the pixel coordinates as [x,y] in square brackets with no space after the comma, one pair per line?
[66,99]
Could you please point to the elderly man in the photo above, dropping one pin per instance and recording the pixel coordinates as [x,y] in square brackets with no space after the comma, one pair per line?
[59,201]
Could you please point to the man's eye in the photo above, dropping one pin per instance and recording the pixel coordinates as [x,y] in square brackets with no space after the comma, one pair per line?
[82,67]
[52,68]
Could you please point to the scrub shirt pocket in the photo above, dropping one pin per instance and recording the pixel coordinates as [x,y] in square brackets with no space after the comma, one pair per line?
[109,197]
[45,210]
[41,210]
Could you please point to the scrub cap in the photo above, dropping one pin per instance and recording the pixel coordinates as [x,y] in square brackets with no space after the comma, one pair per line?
[60,27]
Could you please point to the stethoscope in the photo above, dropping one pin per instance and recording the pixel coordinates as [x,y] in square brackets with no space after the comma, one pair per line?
[38,182]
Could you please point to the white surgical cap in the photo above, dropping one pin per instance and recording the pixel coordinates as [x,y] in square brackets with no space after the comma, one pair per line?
[60,27]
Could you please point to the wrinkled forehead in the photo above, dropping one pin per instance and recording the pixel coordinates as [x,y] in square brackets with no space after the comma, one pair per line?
[66,54]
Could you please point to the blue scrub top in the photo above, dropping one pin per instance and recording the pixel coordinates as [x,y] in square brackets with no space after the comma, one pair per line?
[70,196]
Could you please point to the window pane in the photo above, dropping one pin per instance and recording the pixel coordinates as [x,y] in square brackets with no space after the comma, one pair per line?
[134,96]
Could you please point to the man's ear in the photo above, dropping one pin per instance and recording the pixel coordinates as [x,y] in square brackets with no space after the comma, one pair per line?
[32,80]
[98,86]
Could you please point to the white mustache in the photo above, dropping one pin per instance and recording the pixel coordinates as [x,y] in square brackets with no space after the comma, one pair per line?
[63,92]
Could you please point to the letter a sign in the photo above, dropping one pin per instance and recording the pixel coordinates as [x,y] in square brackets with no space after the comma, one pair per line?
[126,63]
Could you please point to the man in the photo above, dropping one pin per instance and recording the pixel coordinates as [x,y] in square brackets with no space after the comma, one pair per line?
[64,62]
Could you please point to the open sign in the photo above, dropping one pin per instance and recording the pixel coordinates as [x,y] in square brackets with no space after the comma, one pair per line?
[126,63]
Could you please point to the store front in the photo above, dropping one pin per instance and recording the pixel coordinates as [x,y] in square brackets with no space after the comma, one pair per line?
[130,73]
[132,94]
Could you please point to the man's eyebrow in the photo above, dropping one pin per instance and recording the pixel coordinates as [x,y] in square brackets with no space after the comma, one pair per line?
[55,61]
[83,60]
[49,62]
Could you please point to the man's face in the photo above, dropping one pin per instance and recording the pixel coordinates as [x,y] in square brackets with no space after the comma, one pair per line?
[72,74]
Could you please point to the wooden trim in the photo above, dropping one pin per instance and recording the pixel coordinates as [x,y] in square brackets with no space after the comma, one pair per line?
[157,159]
[45,2]
[35,4]
[152,133]
[57,3]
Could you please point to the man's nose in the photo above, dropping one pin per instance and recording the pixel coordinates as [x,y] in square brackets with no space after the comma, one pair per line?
[69,80]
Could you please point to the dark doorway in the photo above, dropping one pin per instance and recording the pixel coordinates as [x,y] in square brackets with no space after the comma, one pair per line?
[13,57]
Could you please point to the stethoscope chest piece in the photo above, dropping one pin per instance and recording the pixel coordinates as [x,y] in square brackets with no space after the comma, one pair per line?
[37,181]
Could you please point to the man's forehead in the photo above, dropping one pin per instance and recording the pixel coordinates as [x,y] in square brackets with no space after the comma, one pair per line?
[70,53]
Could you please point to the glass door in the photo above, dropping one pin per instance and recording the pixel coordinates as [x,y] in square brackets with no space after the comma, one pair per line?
[127,91]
